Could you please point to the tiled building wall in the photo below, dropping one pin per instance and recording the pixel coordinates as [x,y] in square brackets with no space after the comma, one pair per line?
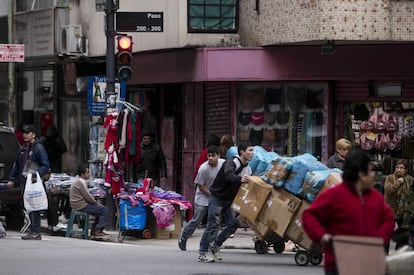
[295,21]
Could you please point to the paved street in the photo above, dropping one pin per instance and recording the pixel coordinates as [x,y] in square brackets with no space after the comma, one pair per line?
[59,255]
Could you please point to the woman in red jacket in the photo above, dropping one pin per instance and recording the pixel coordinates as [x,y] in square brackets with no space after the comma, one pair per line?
[352,208]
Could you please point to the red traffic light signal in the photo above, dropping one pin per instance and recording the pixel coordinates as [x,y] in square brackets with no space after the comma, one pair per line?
[124,57]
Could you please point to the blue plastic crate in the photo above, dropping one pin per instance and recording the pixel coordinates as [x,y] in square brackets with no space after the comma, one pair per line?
[132,217]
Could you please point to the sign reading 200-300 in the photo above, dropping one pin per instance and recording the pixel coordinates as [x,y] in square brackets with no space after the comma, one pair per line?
[140,21]
[149,29]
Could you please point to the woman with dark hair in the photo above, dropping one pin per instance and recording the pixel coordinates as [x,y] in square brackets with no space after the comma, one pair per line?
[399,194]
[226,142]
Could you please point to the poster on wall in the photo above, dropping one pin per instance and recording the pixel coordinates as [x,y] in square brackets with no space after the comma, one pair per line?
[71,133]
[97,100]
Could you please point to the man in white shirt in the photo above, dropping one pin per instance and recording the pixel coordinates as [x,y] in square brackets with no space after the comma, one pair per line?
[205,178]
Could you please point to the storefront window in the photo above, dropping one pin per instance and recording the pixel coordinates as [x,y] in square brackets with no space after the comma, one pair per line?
[288,118]
[384,129]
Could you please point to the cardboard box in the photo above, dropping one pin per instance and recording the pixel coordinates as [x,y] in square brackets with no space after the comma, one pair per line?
[251,197]
[332,180]
[262,231]
[279,210]
[355,255]
[295,231]
[169,232]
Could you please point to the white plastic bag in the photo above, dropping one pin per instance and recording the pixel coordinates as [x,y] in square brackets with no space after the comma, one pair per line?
[34,196]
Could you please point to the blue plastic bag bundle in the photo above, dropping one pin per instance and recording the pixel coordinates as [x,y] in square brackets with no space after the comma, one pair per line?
[265,162]
[314,182]
[279,171]
[260,156]
[132,217]
[231,152]
[301,165]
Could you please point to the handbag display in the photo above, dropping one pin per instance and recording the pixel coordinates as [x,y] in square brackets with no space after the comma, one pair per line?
[34,196]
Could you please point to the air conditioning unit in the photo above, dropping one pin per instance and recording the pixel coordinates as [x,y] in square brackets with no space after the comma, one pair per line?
[71,39]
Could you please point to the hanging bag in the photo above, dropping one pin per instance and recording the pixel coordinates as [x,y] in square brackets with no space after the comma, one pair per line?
[34,197]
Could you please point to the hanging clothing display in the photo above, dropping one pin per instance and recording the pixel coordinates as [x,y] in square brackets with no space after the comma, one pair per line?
[111,136]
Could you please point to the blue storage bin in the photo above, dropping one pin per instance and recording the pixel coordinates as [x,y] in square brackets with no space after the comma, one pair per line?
[132,217]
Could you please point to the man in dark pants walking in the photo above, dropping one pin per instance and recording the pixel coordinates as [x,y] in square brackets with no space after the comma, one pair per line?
[34,153]
[225,187]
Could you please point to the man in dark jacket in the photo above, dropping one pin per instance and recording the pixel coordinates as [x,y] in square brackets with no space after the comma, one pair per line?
[231,175]
[32,150]
[352,208]
[152,163]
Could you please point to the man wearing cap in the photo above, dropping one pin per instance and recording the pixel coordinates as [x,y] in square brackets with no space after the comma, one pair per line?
[32,150]
[152,163]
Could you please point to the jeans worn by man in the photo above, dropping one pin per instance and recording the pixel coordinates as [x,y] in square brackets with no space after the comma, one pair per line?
[210,239]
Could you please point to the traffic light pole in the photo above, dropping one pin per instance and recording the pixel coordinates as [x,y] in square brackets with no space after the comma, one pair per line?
[110,48]
[110,90]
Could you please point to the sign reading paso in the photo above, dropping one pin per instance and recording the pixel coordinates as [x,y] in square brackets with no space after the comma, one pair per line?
[140,21]
[97,99]
[11,52]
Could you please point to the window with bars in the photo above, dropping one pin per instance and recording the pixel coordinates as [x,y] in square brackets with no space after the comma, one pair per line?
[213,16]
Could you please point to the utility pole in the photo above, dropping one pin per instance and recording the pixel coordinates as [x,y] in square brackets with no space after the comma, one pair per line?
[11,117]
[110,9]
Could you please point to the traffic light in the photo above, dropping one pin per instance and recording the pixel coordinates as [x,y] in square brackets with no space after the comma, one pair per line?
[124,57]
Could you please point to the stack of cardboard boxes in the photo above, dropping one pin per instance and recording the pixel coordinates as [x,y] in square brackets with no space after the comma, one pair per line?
[268,209]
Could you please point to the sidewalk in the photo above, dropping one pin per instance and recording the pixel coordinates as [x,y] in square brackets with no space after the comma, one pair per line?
[243,239]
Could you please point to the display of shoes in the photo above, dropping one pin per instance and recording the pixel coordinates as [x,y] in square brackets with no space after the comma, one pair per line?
[205,258]
[32,236]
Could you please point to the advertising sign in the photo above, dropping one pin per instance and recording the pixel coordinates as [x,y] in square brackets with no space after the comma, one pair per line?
[97,101]
[11,52]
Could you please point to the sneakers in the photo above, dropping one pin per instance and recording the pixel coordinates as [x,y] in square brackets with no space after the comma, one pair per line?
[2,235]
[182,244]
[62,219]
[215,250]
[205,258]
[60,226]
[32,236]
[99,233]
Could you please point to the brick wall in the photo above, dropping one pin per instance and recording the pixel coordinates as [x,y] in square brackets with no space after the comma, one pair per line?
[295,21]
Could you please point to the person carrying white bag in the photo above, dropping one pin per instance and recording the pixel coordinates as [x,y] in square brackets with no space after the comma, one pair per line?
[34,196]
[31,159]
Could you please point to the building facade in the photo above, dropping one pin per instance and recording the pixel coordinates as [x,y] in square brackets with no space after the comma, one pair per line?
[307,64]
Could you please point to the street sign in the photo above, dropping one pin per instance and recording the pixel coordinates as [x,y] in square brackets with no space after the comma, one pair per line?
[11,52]
[98,100]
[140,21]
